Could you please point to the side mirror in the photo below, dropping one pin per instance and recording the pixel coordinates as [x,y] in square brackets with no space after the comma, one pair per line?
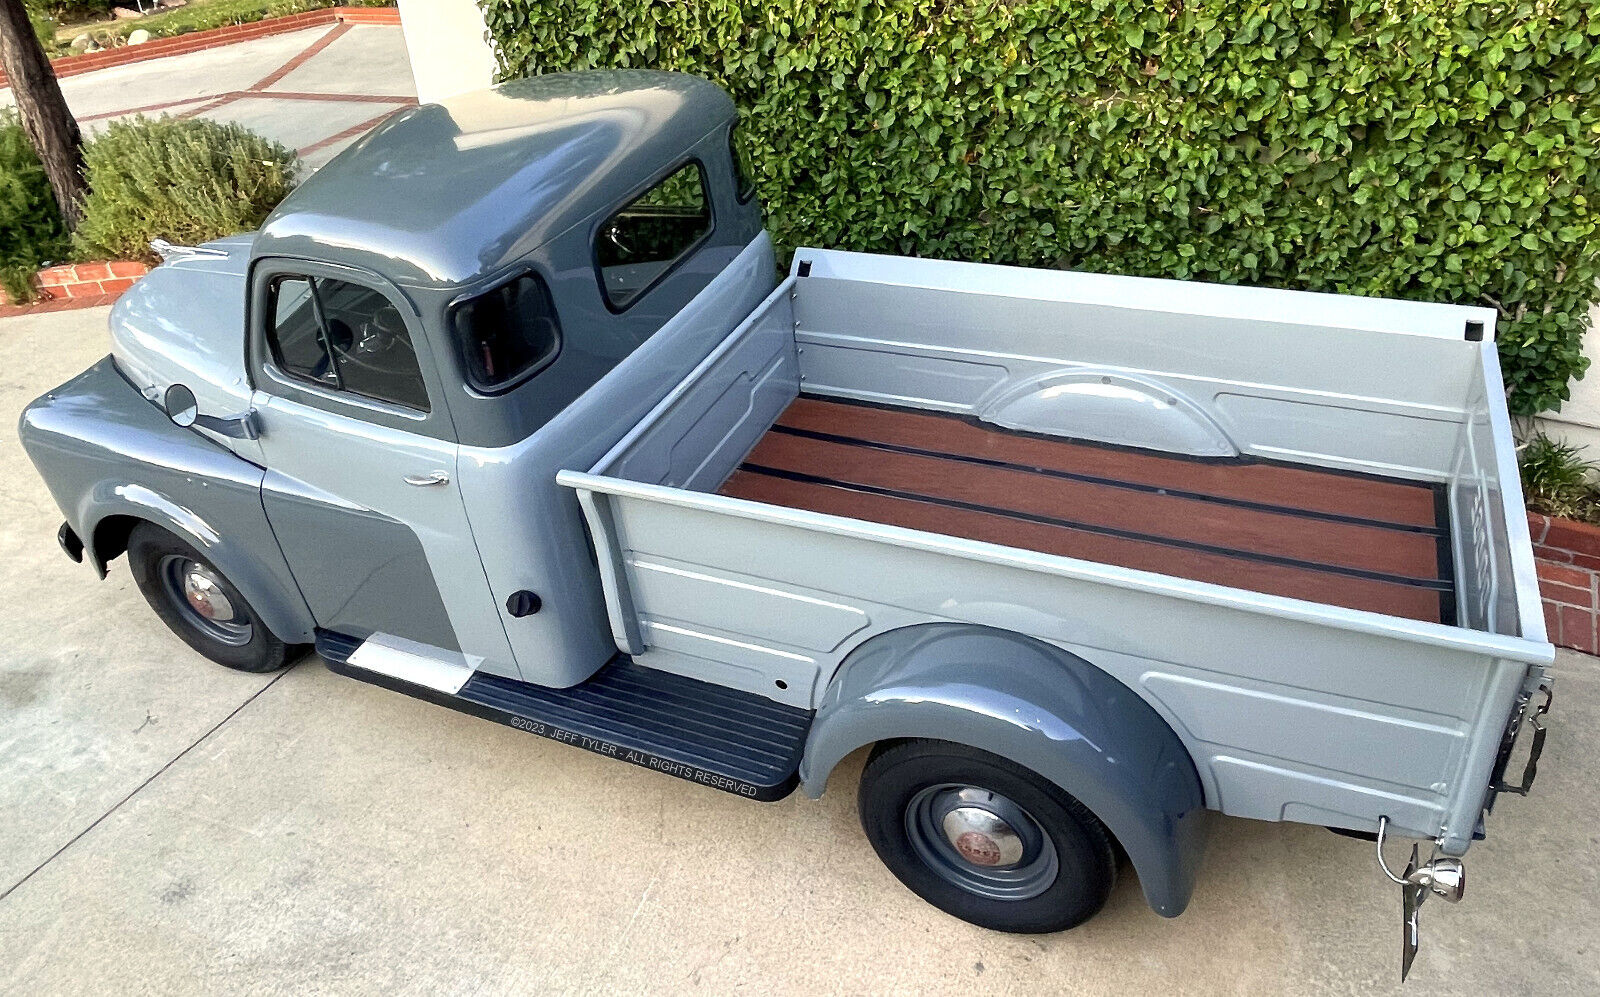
[181,406]
[184,411]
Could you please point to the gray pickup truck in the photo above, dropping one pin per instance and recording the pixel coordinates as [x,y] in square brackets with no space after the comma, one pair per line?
[508,408]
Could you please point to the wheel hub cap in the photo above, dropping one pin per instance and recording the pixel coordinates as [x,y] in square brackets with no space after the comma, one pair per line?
[201,598]
[980,841]
[982,837]
[205,596]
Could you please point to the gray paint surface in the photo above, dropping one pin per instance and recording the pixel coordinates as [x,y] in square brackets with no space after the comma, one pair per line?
[443,193]
[105,451]
[1292,710]
[1049,711]
[360,572]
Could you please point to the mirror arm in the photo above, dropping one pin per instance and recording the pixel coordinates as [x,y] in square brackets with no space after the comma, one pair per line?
[238,427]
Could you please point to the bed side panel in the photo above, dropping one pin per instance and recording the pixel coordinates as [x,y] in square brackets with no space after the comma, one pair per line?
[1202,384]
[1286,719]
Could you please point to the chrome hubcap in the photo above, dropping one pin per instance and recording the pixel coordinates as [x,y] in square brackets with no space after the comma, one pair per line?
[201,589]
[982,837]
[981,841]
[198,594]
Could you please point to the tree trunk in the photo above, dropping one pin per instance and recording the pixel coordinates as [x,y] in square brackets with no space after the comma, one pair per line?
[50,127]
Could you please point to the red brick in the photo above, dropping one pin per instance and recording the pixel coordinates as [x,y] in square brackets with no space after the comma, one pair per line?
[1577,629]
[119,284]
[83,289]
[93,271]
[1590,561]
[1552,623]
[1571,595]
[1566,575]
[1537,524]
[52,276]
[1580,538]
[1552,555]
[129,268]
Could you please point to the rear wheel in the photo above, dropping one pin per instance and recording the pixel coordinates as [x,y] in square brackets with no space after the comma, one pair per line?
[199,604]
[984,839]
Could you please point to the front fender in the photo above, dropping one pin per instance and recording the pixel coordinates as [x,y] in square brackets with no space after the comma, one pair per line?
[106,452]
[1041,707]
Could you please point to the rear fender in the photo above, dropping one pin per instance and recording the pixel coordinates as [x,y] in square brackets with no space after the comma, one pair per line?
[1041,707]
[111,458]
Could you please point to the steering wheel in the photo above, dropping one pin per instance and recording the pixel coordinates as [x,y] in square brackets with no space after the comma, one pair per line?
[375,346]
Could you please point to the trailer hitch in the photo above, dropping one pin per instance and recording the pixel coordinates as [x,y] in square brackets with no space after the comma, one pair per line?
[1440,876]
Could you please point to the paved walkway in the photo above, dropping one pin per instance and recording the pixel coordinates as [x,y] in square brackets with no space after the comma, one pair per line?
[168,826]
[314,90]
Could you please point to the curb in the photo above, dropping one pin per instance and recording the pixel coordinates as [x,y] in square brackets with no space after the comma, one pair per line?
[197,41]
[78,285]
[1567,556]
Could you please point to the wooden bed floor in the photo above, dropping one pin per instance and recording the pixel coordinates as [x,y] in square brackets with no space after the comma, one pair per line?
[1351,540]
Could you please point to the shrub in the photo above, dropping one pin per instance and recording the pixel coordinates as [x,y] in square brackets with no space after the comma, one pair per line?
[1556,480]
[186,181]
[31,231]
[71,11]
[1439,150]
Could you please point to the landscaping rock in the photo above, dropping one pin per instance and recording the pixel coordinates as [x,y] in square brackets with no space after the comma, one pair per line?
[138,36]
[82,43]
[124,14]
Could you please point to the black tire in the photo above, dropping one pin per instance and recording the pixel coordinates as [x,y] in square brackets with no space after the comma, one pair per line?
[242,643]
[906,782]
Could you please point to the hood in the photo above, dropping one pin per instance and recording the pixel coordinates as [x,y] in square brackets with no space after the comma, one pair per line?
[183,322]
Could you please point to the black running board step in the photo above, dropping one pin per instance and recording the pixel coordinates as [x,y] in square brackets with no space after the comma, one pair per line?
[723,738]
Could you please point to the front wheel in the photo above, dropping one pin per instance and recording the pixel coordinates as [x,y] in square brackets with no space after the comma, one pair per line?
[984,839]
[199,604]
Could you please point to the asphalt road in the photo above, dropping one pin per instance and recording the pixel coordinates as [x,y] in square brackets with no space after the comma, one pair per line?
[168,826]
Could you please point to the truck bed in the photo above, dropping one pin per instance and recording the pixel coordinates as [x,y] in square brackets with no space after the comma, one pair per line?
[1289,522]
[1341,538]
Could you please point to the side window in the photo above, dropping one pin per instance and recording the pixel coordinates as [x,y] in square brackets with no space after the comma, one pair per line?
[639,244]
[343,336]
[508,332]
[743,183]
[296,336]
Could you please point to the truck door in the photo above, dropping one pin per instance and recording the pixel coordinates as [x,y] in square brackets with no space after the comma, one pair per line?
[361,464]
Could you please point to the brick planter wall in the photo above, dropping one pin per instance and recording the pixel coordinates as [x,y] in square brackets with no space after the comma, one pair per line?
[79,285]
[1568,559]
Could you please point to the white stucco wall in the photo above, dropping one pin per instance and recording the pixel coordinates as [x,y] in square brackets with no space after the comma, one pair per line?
[449,47]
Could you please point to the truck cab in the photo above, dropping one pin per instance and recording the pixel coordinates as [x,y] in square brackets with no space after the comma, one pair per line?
[421,322]
[508,408]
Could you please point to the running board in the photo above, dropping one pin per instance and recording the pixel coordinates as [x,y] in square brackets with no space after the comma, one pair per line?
[730,740]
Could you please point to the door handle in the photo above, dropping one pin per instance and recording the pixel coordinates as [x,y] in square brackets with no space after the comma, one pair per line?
[431,478]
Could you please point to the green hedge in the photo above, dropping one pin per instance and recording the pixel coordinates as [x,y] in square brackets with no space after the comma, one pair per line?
[1442,150]
[31,231]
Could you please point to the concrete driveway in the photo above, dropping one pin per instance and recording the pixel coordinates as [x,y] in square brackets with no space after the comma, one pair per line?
[168,826]
[315,90]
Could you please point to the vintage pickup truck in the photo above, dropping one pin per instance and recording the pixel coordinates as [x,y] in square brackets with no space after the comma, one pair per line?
[508,408]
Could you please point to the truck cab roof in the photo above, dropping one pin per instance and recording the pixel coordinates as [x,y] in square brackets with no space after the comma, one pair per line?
[441,194]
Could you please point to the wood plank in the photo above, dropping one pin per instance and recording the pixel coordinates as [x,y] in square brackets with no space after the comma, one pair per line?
[1312,489]
[1409,601]
[1364,548]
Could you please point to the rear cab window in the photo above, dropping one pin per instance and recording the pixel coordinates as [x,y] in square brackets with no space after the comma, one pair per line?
[744,185]
[636,247]
[343,337]
[507,334]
